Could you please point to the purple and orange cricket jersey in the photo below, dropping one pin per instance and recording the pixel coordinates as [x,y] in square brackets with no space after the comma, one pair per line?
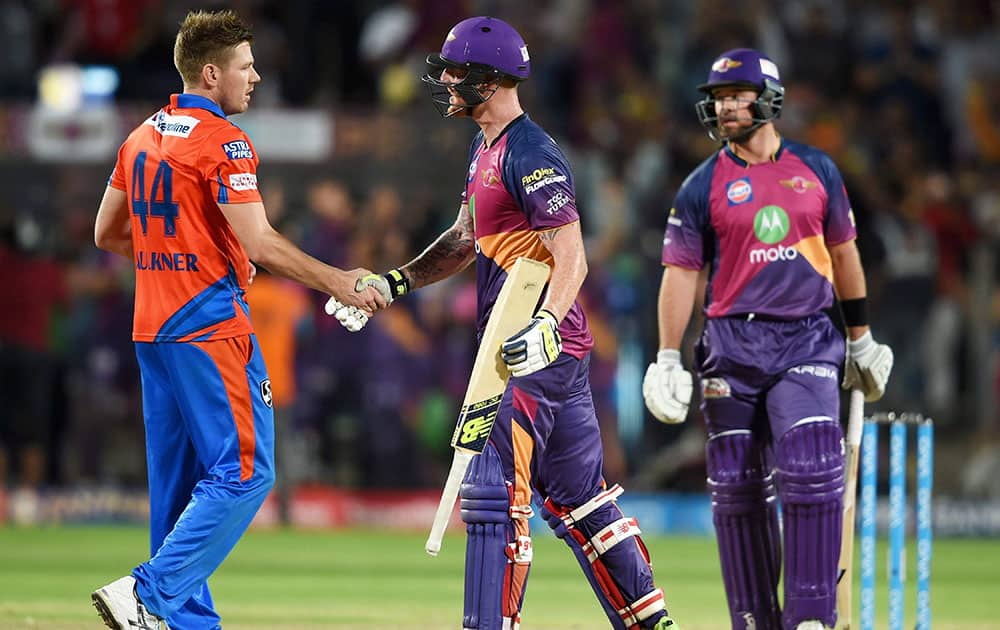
[509,199]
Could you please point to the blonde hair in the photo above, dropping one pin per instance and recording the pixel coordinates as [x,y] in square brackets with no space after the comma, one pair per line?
[207,37]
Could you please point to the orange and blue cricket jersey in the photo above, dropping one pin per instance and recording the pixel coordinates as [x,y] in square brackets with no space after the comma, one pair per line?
[206,394]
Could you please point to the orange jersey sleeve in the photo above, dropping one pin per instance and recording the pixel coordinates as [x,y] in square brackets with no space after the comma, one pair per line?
[191,270]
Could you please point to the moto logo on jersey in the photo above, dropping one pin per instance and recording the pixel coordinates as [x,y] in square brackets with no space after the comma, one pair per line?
[265,392]
[238,150]
[739,191]
[771,226]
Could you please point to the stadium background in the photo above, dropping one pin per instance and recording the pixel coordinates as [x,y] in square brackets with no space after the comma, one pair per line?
[360,171]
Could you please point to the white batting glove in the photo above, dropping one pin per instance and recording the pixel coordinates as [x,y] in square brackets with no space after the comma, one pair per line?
[667,388]
[350,317]
[867,366]
[391,285]
[534,347]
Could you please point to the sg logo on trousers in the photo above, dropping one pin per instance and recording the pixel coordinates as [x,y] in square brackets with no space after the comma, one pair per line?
[265,392]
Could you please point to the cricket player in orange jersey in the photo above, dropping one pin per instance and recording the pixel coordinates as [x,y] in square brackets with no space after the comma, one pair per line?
[183,204]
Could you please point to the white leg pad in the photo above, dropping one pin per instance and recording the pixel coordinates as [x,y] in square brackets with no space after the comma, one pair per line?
[642,608]
[610,536]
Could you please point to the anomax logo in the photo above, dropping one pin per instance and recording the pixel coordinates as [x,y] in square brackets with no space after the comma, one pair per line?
[771,226]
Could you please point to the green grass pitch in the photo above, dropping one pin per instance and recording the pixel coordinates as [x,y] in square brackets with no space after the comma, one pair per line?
[383,580]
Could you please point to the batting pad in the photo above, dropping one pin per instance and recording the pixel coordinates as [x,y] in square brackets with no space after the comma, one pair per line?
[606,543]
[746,528]
[498,549]
[811,483]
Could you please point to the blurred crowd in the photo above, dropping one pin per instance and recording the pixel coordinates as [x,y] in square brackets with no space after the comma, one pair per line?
[903,94]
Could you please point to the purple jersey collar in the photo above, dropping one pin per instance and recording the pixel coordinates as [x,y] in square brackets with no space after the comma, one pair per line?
[735,158]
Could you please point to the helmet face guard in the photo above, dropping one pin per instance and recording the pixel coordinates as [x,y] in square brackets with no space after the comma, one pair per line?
[488,50]
[478,85]
[764,109]
[742,68]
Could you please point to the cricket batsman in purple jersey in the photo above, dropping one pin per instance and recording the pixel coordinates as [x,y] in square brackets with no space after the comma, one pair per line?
[518,200]
[771,221]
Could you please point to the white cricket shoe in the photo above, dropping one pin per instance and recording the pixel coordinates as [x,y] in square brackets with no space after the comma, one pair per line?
[121,609]
[812,624]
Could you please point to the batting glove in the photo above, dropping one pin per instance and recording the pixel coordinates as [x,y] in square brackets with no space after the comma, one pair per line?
[667,388]
[350,317]
[534,347]
[867,366]
[391,285]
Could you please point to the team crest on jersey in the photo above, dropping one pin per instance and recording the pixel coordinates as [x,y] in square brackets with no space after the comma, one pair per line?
[739,191]
[238,150]
[490,177]
[799,184]
[265,392]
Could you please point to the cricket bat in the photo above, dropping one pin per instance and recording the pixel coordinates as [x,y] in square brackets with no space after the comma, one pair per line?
[852,448]
[514,307]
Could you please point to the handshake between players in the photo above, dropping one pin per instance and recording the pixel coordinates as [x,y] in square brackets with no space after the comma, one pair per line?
[532,348]
[353,318]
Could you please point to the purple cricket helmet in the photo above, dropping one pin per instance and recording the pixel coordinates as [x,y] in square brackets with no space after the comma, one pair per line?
[742,67]
[488,49]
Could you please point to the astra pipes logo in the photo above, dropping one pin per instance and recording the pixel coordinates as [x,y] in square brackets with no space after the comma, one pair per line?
[771,226]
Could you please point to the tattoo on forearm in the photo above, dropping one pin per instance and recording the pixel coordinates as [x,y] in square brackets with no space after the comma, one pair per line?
[448,254]
[549,235]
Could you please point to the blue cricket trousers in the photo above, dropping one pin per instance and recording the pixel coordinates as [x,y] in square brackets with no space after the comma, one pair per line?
[210,458]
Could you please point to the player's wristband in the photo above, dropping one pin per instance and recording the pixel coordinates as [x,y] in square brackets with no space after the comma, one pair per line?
[399,285]
[855,311]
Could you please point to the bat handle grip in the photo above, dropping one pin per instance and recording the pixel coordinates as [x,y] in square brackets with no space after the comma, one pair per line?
[459,464]
[855,417]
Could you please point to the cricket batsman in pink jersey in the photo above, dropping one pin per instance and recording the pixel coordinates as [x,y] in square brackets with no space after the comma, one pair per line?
[518,200]
[771,221]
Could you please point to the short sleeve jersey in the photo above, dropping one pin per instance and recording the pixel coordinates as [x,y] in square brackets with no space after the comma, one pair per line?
[763,229]
[519,185]
[191,270]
